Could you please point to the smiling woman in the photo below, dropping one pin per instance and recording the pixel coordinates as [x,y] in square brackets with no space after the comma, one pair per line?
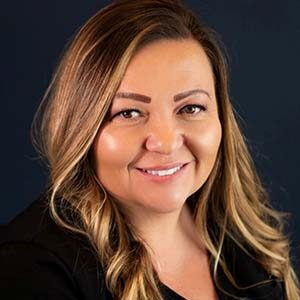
[152,192]
[164,145]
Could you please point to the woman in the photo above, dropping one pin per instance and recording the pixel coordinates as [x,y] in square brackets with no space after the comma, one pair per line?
[152,192]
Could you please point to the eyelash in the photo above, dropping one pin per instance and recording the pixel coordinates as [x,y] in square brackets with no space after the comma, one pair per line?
[201,107]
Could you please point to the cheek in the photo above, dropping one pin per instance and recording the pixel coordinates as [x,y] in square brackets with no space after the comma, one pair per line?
[113,149]
[206,140]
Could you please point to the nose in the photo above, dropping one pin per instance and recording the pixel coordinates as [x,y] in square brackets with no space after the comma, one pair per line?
[164,138]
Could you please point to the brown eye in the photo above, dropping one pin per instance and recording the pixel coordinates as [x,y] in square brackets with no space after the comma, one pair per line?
[193,109]
[128,114]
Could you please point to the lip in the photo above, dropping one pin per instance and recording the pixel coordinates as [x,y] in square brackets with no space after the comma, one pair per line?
[162,167]
[166,178]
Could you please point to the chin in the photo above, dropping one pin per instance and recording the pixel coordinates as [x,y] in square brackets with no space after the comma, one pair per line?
[166,207]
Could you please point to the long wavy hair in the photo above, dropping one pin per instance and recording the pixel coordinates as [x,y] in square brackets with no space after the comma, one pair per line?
[73,110]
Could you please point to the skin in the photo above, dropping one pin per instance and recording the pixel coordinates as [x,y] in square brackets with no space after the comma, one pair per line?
[159,133]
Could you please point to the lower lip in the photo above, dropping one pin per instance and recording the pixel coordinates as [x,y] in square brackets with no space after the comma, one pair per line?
[166,178]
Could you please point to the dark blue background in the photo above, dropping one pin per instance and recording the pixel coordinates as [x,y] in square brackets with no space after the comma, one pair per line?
[263,42]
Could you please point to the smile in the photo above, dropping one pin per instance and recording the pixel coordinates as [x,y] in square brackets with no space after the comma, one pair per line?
[163,175]
[162,172]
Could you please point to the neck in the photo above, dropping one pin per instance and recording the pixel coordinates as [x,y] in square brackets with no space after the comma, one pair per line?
[168,236]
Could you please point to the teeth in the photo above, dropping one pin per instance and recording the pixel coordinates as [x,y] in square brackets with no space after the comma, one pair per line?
[163,172]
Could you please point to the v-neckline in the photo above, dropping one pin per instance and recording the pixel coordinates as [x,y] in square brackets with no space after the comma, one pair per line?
[168,292]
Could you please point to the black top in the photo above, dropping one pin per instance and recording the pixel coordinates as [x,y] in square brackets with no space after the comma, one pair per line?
[39,260]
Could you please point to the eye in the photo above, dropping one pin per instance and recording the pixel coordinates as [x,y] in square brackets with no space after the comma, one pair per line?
[193,109]
[127,114]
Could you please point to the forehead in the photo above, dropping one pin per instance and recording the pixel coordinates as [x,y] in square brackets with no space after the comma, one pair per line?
[168,65]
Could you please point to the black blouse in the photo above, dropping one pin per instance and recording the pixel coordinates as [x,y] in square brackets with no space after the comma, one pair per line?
[41,261]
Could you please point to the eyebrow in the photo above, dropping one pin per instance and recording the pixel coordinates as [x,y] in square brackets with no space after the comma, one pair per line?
[147,99]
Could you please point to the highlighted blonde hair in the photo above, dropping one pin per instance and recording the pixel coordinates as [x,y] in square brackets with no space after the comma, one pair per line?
[75,107]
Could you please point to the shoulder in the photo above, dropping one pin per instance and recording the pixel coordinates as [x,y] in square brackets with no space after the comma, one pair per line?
[40,259]
[252,279]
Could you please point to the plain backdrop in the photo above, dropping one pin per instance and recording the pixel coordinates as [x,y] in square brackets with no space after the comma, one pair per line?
[263,42]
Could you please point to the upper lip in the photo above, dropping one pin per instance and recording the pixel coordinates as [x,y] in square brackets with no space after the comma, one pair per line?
[163,167]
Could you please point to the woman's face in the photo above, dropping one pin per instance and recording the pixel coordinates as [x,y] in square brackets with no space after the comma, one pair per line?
[162,136]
